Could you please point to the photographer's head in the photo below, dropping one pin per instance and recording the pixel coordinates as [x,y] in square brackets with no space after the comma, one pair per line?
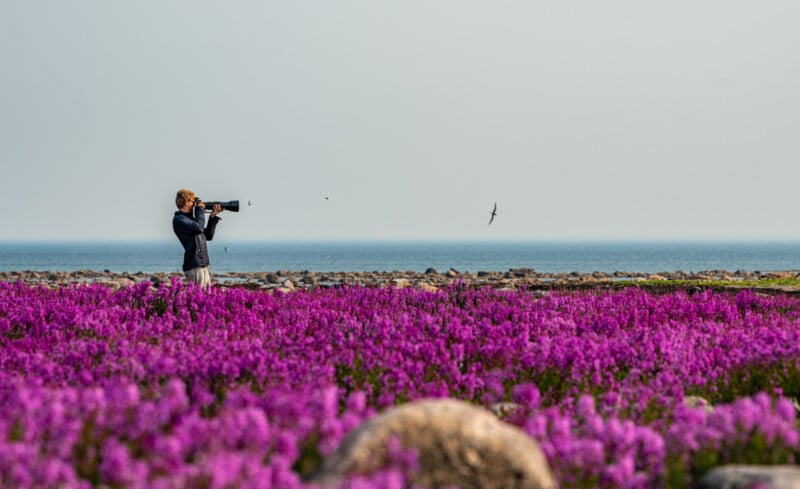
[184,199]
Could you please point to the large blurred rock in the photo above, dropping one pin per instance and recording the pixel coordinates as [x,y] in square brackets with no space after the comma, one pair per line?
[748,476]
[459,445]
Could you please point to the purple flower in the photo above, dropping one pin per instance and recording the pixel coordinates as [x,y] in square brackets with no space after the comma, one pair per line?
[527,395]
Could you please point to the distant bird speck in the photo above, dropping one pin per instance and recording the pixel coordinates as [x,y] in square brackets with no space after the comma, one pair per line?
[327,198]
[494,213]
[226,249]
[249,202]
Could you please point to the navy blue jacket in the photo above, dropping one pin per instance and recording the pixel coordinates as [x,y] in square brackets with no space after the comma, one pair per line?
[193,234]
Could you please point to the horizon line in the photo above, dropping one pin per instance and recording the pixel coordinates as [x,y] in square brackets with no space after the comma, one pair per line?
[573,239]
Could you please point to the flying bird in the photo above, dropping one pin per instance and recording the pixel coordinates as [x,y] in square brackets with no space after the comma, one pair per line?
[494,213]
[249,202]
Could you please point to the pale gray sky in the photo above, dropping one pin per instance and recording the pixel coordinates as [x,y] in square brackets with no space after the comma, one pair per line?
[582,119]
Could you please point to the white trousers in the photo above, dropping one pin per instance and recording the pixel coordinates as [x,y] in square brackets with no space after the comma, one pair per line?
[200,276]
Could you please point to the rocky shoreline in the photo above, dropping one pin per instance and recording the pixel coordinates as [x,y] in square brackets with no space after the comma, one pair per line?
[431,279]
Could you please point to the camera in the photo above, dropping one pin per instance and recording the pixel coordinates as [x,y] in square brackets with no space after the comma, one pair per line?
[231,205]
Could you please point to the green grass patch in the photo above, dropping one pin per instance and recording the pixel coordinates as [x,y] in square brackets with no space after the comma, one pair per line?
[745,284]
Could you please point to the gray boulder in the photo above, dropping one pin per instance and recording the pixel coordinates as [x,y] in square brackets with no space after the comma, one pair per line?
[458,445]
[747,476]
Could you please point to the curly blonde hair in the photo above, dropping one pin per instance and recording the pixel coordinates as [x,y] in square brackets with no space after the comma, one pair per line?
[183,196]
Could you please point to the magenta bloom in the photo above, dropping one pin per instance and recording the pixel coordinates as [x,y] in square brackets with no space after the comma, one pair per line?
[179,387]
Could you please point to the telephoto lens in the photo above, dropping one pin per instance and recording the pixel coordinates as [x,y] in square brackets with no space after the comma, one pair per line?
[231,205]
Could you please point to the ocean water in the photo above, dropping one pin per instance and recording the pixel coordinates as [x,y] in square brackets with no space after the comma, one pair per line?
[544,256]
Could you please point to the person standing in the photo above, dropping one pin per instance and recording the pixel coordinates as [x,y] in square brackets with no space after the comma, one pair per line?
[189,224]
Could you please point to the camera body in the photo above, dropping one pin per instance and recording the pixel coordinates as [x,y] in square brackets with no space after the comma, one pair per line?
[231,205]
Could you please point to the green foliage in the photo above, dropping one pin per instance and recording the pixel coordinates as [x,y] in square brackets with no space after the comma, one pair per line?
[748,380]
[753,451]
[309,457]
[553,383]
[158,306]
[16,332]
[356,376]
[86,453]
[16,432]
[765,283]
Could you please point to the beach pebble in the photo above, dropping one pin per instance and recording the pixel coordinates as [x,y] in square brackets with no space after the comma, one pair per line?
[401,283]
[748,476]
[426,287]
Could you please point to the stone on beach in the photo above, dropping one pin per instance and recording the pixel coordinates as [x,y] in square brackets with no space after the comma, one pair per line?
[528,279]
[749,476]
[427,287]
[401,283]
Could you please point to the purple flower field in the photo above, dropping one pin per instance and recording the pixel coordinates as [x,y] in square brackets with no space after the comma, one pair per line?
[175,387]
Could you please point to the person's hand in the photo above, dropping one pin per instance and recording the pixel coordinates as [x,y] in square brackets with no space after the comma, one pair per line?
[200,203]
[217,209]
